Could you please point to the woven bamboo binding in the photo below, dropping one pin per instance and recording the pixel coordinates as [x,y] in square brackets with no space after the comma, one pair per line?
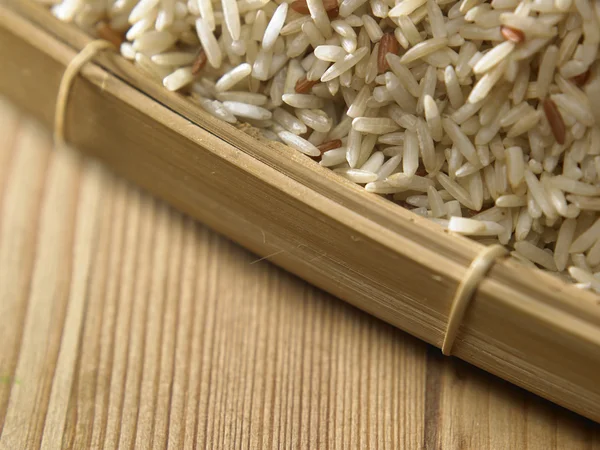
[474,275]
[85,55]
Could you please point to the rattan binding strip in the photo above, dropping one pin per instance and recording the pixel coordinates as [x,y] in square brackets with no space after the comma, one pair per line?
[86,54]
[475,274]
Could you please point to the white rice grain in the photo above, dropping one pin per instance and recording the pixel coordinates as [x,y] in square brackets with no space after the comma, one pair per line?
[333,157]
[426,146]
[575,187]
[262,65]
[486,83]
[374,163]
[586,277]
[234,76]
[466,111]
[493,57]
[345,64]
[409,30]
[205,9]
[404,74]
[374,125]
[141,9]
[319,16]
[388,167]
[525,123]
[432,115]
[181,77]
[299,143]
[209,43]
[275,25]
[242,97]
[536,255]
[423,49]
[546,70]
[470,227]
[580,110]
[353,147]
[332,53]
[313,34]
[372,28]
[462,142]
[216,109]
[347,7]
[303,101]
[174,58]
[455,190]
[357,175]
[409,183]
[232,18]
[153,42]
[453,88]
[288,121]
[405,7]
[315,119]
[246,110]
[402,97]
[537,192]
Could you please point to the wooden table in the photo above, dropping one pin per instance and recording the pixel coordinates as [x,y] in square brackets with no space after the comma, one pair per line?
[126,324]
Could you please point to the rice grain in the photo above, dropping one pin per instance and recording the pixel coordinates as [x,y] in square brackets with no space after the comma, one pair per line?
[274,27]
[299,143]
[343,65]
[374,125]
[423,49]
[209,43]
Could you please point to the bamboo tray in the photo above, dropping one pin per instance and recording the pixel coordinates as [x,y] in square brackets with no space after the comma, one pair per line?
[523,325]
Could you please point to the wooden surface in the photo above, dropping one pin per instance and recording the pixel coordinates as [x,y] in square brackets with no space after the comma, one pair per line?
[125,324]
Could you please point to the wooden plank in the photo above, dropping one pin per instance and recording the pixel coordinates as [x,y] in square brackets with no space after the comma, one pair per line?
[71,338]
[86,392]
[341,242]
[17,249]
[46,309]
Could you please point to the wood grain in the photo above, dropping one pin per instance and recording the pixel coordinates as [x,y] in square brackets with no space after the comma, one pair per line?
[125,324]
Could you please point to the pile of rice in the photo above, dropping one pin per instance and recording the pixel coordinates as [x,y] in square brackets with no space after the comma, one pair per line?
[482,116]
